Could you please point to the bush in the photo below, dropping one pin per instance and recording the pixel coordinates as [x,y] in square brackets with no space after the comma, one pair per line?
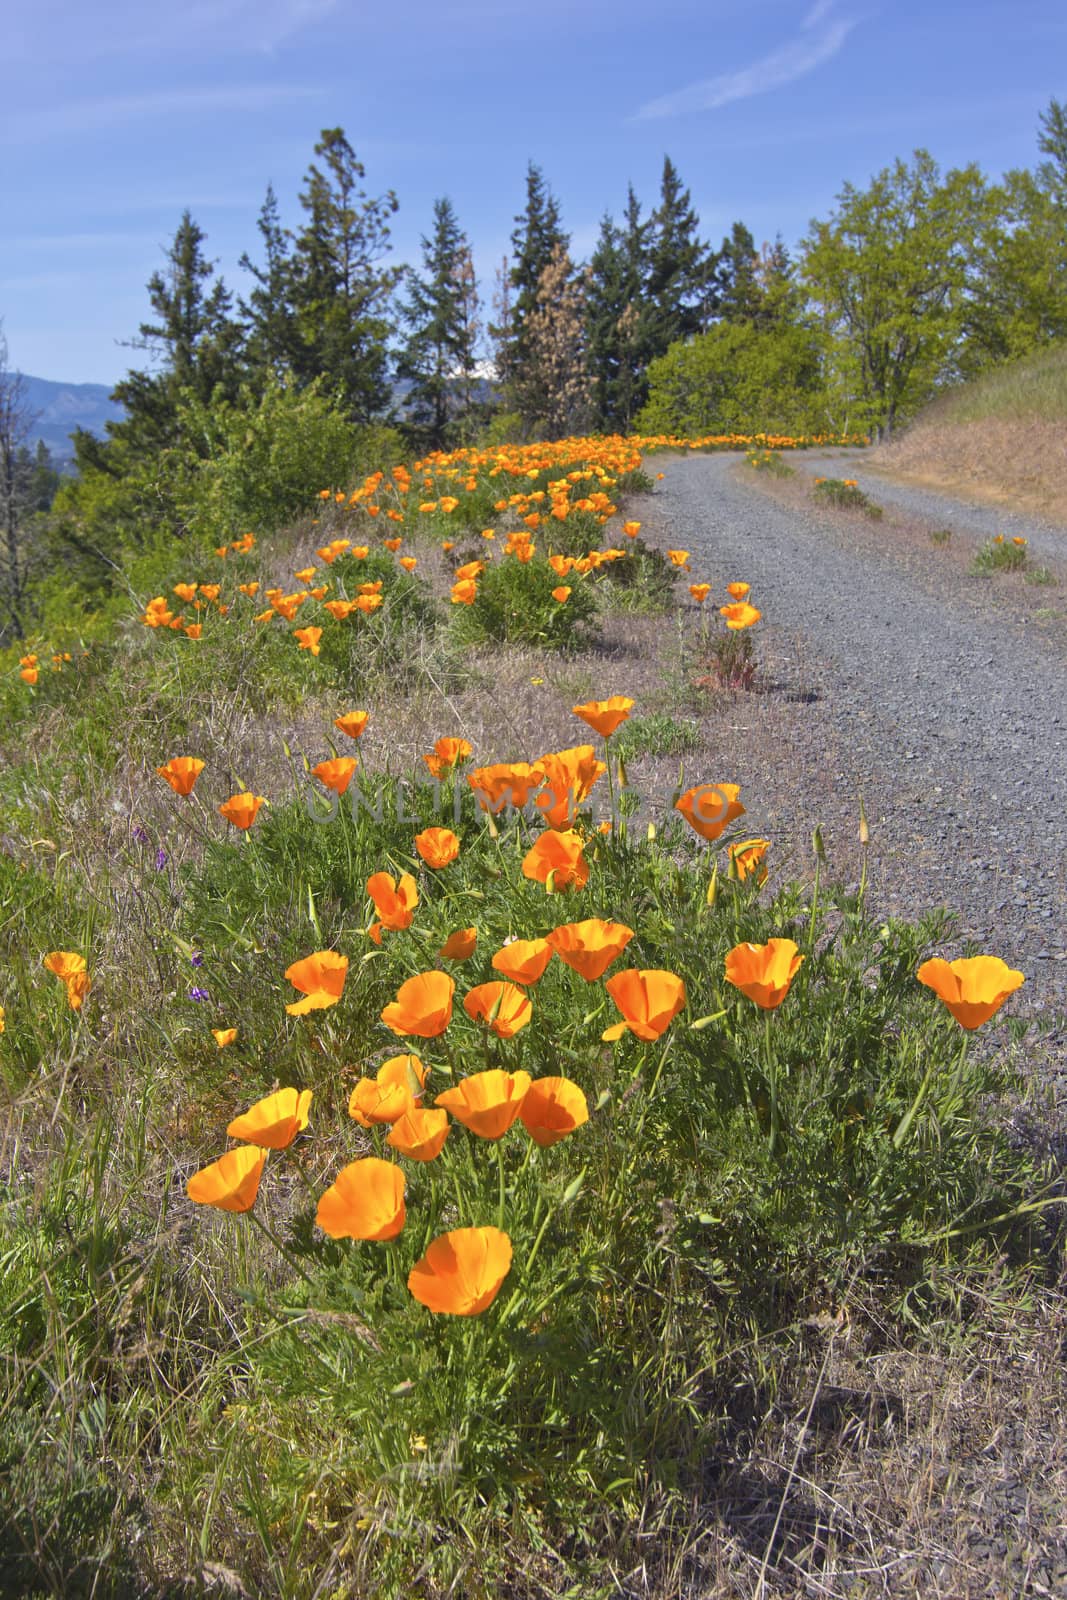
[846,494]
[1000,555]
[736,379]
[514,605]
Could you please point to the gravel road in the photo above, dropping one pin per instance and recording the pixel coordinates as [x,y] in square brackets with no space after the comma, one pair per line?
[889,679]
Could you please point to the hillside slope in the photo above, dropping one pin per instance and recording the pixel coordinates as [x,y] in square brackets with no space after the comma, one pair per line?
[1001,439]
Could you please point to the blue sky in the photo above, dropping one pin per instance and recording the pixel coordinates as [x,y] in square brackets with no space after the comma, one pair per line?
[119,114]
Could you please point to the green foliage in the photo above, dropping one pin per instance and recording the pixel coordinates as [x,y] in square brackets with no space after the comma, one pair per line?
[736,379]
[846,496]
[1033,387]
[441,313]
[769,461]
[940,535]
[514,605]
[1000,555]
[655,735]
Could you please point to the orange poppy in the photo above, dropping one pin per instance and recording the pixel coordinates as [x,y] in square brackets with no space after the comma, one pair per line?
[394,902]
[604,716]
[70,969]
[551,1109]
[393,544]
[679,558]
[459,946]
[569,779]
[419,1134]
[763,972]
[336,774]
[504,784]
[738,591]
[740,616]
[470,569]
[406,1070]
[973,989]
[352,723]
[423,1005]
[556,860]
[590,946]
[501,1006]
[242,809]
[631,529]
[364,1201]
[709,808]
[523,960]
[181,772]
[185,591]
[193,631]
[305,574]
[372,1102]
[747,859]
[562,594]
[461,1272]
[700,592]
[274,1121]
[447,754]
[224,1036]
[232,1182]
[340,610]
[649,1000]
[438,847]
[368,602]
[409,563]
[464,592]
[250,589]
[487,1102]
[371,588]
[320,979]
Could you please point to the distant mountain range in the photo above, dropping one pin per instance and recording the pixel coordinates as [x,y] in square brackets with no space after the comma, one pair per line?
[62,407]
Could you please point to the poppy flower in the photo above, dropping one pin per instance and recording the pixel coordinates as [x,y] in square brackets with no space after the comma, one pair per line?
[569,779]
[740,616]
[250,589]
[501,1006]
[232,1182]
[461,1272]
[365,1201]
[649,1000]
[193,631]
[393,544]
[973,989]
[210,591]
[469,570]
[738,591]
[487,1102]
[352,723]
[556,860]
[423,1005]
[1,1019]
[679,558]
[394,902]
[447,753]
[29,674]
[242,809]
[305,574]
[523,960]
[709,808]
[700,592]
[747,858]
[763,972]
[274,1121]
[336,774]
[459,946]
[368,602]
[604,716]
[181,772]
[340,610]
[419,1134]
[185,591]
[371,588]
[631,529]
[437,846]
[552,1108]
[464,592]
[409,563]
[69,968]
[505,785]
[320,979]
[590,946]
[562,594]
[372,1102]
[224,1036]
[360,552]
[406,1070]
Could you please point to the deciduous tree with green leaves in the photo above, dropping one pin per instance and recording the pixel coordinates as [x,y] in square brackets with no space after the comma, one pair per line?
[889,275]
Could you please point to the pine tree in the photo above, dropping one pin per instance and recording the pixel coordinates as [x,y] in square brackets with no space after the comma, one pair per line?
[738,263]
[271,336]
[617,318]
[537,236]
[194,340]
[681,286]
[442,313]
[340,291]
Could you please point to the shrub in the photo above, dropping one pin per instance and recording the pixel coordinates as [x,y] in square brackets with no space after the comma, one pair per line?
[846,494]
[1001,555]
[514,605]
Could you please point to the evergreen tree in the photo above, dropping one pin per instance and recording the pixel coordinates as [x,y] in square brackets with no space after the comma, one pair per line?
[538,234]
[737,267]
[681,286]
[617,324]
[271,335]
[441,311]
[340,291]
[193,339]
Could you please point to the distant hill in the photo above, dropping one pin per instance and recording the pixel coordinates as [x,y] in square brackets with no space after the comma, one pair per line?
[1001,439]
[62,407]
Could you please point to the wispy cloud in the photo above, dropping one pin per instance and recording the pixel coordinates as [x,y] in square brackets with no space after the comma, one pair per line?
[821,38]
[85,116]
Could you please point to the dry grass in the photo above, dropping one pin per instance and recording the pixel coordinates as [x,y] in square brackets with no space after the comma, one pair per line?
[1013,462]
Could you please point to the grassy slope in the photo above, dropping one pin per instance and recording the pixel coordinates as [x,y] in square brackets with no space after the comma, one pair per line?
[1001,439]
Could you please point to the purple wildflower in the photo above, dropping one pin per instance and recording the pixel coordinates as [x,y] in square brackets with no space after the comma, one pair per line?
[140,835]
[198,994]
[196,959]
[161,859]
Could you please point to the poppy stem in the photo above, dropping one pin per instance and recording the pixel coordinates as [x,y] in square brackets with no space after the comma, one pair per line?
[772,1082]
[500,1197]
[279,1246]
